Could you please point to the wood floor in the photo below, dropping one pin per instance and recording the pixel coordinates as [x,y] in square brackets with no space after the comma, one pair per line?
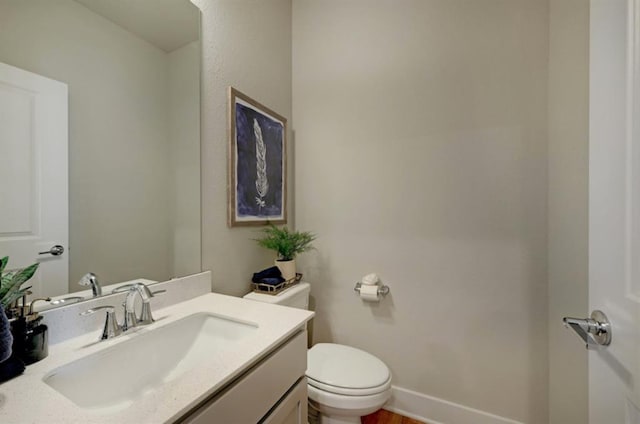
[385,417]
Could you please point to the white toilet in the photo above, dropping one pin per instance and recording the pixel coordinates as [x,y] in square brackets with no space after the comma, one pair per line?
[344,383]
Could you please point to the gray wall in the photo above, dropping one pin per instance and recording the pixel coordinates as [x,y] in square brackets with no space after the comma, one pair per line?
[568,206]
[421,154]
[427,164]
[247,45]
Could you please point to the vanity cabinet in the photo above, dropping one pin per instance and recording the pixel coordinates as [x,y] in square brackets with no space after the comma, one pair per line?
[274,391]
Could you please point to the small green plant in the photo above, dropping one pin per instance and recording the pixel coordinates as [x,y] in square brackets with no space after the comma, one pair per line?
[288,244]
[11,281]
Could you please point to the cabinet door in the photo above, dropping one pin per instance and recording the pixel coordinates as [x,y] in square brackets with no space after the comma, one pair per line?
[292,409]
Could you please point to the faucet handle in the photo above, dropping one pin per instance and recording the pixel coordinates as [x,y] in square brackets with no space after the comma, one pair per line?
[96,309]
[111,326]
[146,317]
[123,288]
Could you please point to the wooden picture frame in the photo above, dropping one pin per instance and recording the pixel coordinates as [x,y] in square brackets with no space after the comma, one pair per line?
[257,163]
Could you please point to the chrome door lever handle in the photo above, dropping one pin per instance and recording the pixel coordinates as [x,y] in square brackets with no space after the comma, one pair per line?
[595,330]
[56,250]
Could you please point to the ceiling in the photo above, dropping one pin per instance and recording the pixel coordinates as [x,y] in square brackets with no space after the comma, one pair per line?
[167,24]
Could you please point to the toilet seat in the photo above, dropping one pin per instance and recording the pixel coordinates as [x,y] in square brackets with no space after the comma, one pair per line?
[345,370]
[349,391]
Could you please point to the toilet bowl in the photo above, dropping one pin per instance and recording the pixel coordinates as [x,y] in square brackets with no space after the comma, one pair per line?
[343,383]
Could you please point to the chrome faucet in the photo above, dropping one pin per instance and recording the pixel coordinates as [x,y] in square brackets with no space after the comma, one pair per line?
[111,326]
[90,279]
[146,318]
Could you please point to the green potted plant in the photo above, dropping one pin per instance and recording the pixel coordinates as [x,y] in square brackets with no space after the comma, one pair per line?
[287,244]
[12,345]
[11,281]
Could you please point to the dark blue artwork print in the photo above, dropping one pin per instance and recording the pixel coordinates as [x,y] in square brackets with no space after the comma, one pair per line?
[259,141]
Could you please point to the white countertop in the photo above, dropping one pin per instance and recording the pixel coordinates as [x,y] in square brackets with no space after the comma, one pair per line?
[27,399]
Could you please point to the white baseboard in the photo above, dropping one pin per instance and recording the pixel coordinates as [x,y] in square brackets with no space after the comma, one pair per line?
[438,411]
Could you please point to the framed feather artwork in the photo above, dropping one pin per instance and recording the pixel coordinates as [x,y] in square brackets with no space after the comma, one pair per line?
[257,163]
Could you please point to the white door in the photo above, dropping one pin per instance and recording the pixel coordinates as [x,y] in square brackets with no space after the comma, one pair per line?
[33,176]
[614,208]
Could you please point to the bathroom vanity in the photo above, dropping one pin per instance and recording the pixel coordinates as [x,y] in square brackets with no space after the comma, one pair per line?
[210,359]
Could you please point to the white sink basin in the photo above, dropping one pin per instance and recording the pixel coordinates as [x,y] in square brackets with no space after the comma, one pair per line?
[113,378]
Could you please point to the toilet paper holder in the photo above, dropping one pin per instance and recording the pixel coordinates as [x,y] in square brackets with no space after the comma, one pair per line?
[382,290]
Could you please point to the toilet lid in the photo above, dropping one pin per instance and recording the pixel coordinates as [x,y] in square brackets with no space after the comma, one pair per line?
[345,367]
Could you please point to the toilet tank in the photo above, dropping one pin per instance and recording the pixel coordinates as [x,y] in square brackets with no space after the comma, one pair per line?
[295,297]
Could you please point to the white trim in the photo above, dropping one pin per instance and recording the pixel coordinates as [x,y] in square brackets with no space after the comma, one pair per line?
[438,411]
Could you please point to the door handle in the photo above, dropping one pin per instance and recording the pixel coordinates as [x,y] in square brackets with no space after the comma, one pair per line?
[594,331]
[56,250]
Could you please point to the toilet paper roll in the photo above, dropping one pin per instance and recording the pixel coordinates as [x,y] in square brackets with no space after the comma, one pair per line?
[370,279]
[369,293]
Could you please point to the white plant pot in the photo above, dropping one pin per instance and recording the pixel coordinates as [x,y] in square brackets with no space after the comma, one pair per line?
[287,268]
